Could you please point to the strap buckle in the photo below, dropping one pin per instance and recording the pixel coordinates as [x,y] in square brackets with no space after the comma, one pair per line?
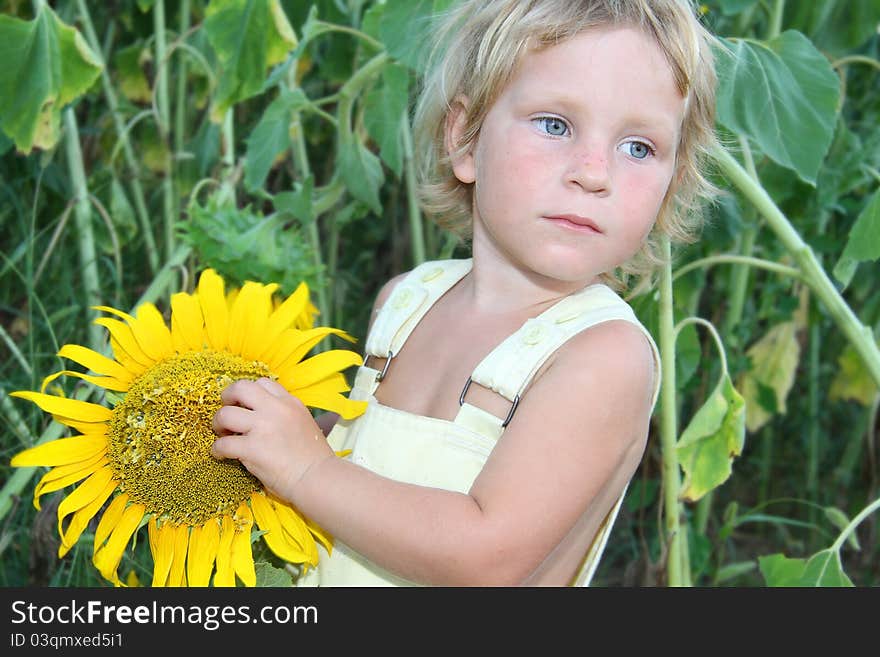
[509,414]
[381,375]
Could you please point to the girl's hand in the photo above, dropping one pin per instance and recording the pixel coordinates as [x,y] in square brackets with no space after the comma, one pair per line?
[270,432]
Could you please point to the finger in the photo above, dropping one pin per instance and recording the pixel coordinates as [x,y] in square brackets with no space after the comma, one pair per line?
[272,387]
[232,420]
[230,447]
[243,392]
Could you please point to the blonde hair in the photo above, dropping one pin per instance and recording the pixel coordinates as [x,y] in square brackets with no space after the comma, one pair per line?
[479,45]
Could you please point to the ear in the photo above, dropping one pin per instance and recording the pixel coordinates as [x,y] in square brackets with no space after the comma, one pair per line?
[462,163]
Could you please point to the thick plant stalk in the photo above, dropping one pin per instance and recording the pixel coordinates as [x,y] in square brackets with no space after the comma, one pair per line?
[859,335]
[674,535]
[168,210]
[21,476]
[127,151]
[83,218]
[181,100]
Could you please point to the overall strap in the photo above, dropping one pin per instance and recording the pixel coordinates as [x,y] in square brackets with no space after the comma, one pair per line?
[509,368]
[408,303]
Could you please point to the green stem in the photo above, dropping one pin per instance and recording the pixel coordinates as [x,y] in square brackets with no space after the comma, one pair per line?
[813,435]
[859,335]
[776,13]
[712,331]
[83,218]
[417,236]
[855,522]
[122,136]
[856,59]
[312,230]
[162,101]
[181,100]
[737,260]
[227,159]
[669,429]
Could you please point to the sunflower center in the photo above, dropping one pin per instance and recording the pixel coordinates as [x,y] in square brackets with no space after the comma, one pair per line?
[160,438]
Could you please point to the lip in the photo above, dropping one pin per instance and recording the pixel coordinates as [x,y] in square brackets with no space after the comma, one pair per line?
[575,222]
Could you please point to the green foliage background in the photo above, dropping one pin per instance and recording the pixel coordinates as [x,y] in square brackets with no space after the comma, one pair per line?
[141,141]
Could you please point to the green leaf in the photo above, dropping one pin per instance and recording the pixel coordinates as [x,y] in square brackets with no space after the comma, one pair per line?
[271,137]
[299,202]
[863,243]
[129,63]
[248,36]
[385,110]
[405,27]
[244,245]
[269,575]
[361,171]
[824,569]
[714,437]
[733,7]
[774,359]
[782,93]
[46,65]
[852,380]
[732,570]
[779,570]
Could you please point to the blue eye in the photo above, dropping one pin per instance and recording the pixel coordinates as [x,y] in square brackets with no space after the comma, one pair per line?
[553,126]
[638,149]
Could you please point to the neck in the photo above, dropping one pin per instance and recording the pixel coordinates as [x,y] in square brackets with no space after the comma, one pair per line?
[497,286]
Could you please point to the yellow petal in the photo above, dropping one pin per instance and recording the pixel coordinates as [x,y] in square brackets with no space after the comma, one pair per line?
[214,308]
[125,347]
[244,316]
[162,549]
[242,555]
[203,542]
[64,475]
[292,345]
[109,520]
[320,534]
[115,311]
[95,362]
[62,451]
[151,333]
[106,382]
[322,365]
[285,315]
[180,538]
[254,342]
[187,324]
[315,397]
[295,528]
[107,558]
[225,574]
[97,488]
[335,382]
[275,537]
[64,407]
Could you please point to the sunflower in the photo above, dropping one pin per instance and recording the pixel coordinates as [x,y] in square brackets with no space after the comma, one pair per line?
[145,456]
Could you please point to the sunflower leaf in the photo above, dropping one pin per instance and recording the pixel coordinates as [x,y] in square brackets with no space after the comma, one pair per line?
[46,65]
[715,435]
[248,36]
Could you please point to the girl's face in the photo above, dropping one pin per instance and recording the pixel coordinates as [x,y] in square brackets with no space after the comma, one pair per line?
[575,157]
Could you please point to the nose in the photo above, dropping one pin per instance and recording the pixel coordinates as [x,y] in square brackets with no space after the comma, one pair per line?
[590,170]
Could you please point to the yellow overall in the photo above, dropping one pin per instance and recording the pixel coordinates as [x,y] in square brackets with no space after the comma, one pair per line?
[450,454]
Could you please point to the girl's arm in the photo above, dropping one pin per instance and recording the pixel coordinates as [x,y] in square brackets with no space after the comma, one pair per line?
[574,443]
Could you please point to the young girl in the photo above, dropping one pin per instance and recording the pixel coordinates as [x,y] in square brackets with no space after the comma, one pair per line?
[509,394]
